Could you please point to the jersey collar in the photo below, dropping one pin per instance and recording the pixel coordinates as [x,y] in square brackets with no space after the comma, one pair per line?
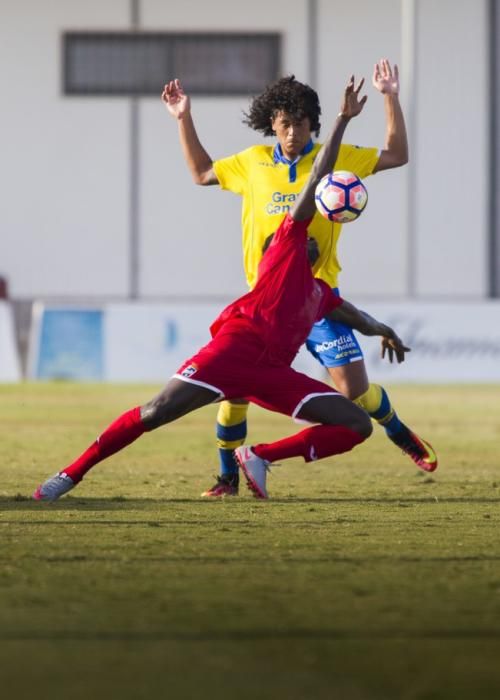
[278,157]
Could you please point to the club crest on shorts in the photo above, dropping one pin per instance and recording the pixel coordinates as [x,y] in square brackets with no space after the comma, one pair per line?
[189,371]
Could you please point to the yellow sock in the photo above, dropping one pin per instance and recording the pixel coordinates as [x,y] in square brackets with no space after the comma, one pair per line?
[231,433]
[377,404]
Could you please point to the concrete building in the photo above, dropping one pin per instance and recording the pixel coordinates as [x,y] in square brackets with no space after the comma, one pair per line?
[75,191]
[97,203]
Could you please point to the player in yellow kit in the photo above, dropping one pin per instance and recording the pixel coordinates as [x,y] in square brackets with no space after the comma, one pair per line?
[269,178]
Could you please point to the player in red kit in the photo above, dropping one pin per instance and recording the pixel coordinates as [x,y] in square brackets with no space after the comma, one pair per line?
[254,341]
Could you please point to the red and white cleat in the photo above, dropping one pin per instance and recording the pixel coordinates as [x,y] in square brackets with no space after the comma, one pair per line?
[255,470]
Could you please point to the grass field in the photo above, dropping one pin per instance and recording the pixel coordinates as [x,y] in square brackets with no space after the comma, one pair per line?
[361,578]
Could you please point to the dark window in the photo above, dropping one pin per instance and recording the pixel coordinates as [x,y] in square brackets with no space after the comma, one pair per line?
[139,63]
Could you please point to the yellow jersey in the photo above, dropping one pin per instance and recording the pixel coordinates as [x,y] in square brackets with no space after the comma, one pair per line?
[269,188]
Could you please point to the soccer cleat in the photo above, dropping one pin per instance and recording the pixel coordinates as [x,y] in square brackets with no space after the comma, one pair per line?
[254,468]
[54,488]
[226,485]
[419,450]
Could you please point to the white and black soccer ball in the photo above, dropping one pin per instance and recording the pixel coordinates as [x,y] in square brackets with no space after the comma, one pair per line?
[341,196]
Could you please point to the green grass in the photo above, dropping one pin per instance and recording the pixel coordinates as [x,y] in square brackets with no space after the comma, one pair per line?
[362,577]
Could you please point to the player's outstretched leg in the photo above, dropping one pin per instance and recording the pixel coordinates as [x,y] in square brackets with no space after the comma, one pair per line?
[231,433]
[122,432]
[317,442]
[377,404]
[176,400]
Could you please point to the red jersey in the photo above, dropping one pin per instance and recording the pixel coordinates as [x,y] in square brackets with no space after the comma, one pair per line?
[287,299]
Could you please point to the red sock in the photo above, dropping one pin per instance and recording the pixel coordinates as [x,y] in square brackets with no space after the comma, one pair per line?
[125,429]
[311,444]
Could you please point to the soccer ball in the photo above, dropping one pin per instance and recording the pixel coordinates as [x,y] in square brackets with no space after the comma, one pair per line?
[341,196]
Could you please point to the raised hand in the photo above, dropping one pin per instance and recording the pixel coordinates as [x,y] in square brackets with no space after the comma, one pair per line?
[351,104]
[175,100]
[385,79]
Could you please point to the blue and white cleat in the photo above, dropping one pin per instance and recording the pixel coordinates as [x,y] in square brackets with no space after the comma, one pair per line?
[54,488]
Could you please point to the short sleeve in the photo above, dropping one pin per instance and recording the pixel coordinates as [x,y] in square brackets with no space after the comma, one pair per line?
[358,160]
[232,172]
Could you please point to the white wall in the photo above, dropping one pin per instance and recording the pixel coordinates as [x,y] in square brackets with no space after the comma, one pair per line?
[64,218]
[10,368]
[148,342]
[451,164]
[373,250]
[64,179]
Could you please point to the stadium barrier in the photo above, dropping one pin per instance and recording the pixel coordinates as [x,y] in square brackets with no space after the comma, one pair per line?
[10,368]
[66,342]
[118,342]
[147,342]
[450,342]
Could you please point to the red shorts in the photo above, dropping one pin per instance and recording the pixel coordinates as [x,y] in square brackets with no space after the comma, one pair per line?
[234,366]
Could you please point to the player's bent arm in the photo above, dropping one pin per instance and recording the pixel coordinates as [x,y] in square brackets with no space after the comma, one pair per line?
[351,316]
[395,152]
[178,105]
[386,81]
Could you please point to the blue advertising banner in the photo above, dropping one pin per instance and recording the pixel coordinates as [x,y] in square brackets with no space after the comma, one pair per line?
[70,345]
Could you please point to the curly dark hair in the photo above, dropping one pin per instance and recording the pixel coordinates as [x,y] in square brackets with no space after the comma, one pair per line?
[284,95]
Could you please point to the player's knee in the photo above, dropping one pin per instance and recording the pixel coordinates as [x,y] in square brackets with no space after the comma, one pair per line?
[362,424]
[156,413]
[150,415]
[353,393]
[348,389]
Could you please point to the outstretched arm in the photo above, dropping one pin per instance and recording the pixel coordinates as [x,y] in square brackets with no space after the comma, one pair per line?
[198,161]
[364,323]
[395,152]
[351,106]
